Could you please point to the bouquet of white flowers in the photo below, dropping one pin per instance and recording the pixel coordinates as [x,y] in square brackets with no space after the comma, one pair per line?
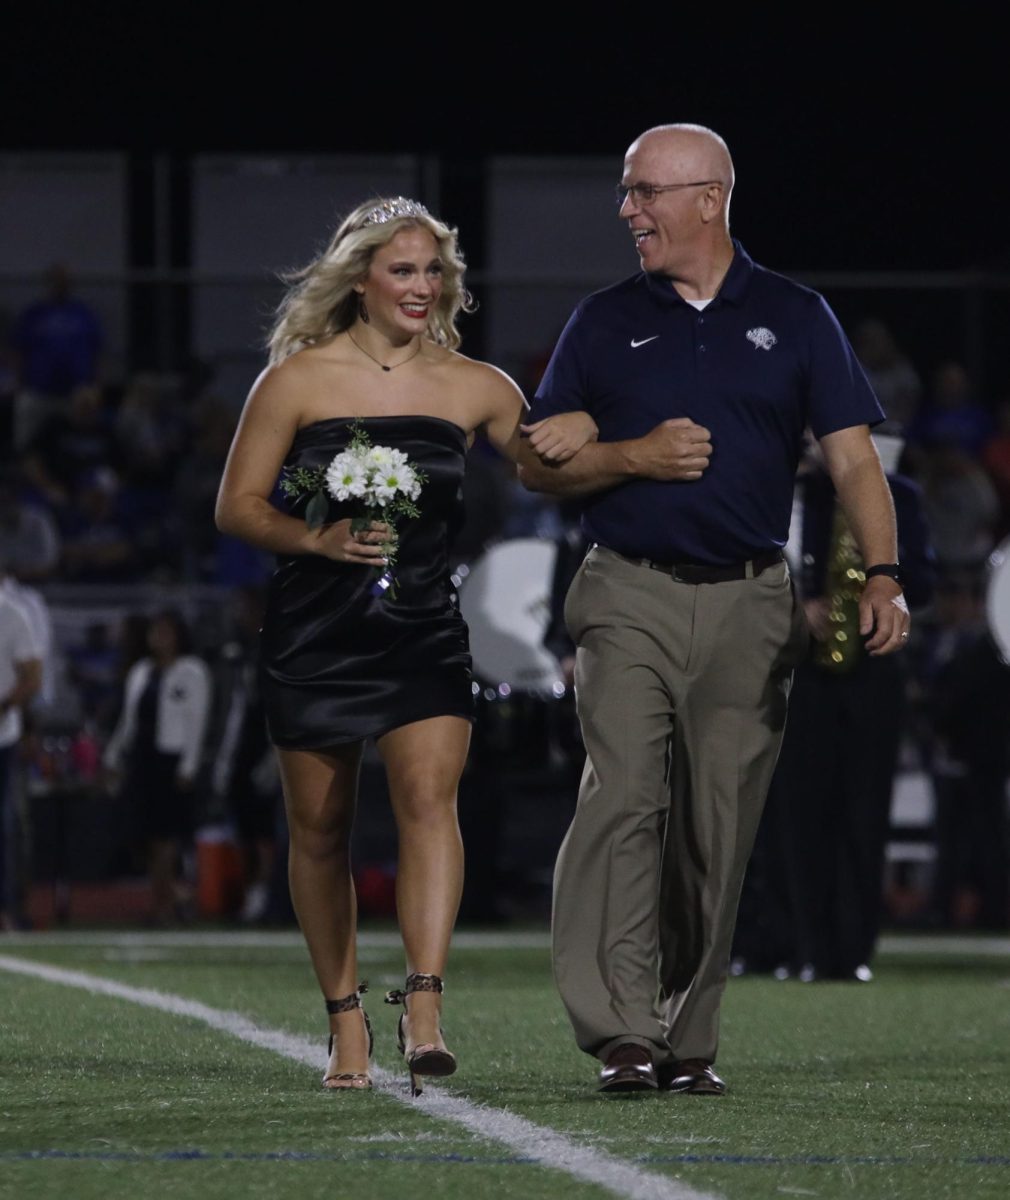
[380,481]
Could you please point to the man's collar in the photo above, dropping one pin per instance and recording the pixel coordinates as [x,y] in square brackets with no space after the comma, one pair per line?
[738,277]
[734,285]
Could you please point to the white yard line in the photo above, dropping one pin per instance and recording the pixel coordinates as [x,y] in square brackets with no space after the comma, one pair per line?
[537,1142]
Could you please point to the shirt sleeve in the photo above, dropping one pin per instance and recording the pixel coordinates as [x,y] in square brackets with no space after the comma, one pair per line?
[194,715]
[839,393]
[122,735]
[563,387]
[25,643]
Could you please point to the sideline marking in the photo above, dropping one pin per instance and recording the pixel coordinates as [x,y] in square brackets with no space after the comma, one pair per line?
[543,1146]
[270,939]
[722,1160]
[944,945]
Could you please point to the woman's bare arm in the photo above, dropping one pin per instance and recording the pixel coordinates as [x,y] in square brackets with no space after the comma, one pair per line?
[265,432]
[504,406]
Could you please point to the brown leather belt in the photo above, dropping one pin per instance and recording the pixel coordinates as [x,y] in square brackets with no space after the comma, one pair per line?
[700,573]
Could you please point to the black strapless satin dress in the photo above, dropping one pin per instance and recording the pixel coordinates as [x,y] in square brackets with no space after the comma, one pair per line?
[337,663]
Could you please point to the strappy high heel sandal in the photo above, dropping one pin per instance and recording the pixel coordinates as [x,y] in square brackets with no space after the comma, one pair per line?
[427,1058]
[344,1081]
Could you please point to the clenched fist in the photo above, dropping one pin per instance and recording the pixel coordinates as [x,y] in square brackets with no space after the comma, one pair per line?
[678,449]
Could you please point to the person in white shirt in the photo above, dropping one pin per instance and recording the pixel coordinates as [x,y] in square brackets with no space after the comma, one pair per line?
[157,746]
[33,604]
[20,675]
[29,541]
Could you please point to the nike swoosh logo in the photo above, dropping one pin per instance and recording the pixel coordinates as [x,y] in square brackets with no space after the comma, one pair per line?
[635,345]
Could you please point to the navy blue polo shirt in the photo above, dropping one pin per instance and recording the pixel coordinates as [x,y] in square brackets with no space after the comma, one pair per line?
[763,360]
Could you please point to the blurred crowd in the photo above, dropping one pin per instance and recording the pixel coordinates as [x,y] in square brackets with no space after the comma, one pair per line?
[111,487]
[109,483]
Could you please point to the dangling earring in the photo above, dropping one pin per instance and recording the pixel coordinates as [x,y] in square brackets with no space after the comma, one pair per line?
[362,310]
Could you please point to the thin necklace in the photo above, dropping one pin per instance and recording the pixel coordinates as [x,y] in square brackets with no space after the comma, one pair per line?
[382,364]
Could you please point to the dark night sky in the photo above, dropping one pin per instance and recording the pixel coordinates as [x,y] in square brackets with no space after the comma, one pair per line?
[856,144]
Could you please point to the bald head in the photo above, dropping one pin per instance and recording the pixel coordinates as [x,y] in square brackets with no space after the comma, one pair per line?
[690,151]
[676,184]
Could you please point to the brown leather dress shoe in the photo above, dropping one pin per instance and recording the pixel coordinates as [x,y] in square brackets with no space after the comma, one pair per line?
[693,1075]
[628,1069]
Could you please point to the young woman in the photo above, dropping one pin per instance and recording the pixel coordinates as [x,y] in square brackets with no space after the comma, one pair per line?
[367,334]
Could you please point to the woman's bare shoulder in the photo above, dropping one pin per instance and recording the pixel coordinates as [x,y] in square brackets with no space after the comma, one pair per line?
[297,375]
[276,377]
[311,361]
[485,376]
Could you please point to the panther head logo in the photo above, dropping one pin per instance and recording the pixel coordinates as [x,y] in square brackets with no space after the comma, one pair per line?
[761,338]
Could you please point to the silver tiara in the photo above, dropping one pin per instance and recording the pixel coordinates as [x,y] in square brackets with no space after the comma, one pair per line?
[389,210]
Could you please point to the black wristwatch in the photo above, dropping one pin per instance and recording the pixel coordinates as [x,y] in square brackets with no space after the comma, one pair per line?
[891,570]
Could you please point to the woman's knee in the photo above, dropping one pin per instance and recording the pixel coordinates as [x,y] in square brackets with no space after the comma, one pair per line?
[319,837]
[426,803]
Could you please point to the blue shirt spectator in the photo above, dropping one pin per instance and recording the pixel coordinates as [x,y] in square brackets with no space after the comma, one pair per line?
[954,418]
[58,341]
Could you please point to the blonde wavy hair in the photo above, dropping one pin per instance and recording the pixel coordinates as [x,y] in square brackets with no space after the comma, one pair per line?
[321,300]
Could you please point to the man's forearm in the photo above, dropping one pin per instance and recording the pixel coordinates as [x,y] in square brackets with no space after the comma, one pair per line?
[866,501]
[859,480]
[676,451]
[596,467]
[869,509]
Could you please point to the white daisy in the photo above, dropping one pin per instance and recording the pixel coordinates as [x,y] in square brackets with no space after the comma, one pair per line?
[346,477]
[409,483]
[380,457]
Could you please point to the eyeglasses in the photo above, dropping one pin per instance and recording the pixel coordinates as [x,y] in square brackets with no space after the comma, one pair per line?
[645,193]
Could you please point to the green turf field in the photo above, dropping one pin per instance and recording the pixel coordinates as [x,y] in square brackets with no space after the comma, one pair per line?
[899,1088]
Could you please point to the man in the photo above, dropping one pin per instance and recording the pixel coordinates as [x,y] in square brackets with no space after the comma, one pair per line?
[966,682]
[813,898]
[701,373]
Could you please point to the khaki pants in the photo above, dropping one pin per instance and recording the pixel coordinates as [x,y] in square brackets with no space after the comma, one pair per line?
[681,693]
